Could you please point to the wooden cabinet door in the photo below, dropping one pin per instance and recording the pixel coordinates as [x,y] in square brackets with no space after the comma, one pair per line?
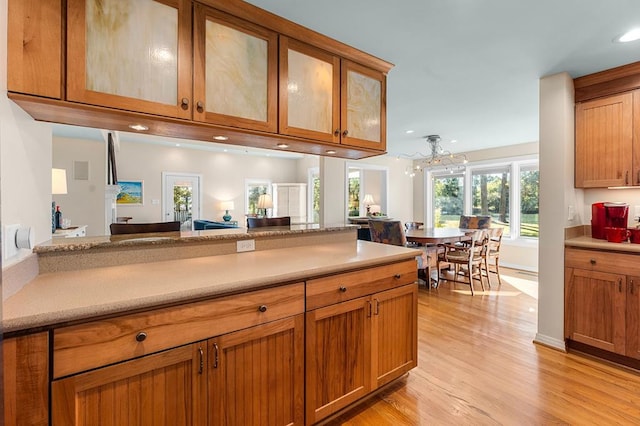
[26,380]
[604,139]
[595,303]
[235,72]
[338,351]
[256,376]
[34,44]
[167,388]
[130,54]
[363,106]
[309,92]
[394,341]
[633,317]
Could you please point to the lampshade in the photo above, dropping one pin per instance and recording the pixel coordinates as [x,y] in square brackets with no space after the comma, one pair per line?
[227,205]
[375,208]
[265,201]
[368,199]
[58,181]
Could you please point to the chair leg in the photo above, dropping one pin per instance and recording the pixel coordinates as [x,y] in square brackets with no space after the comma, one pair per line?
[498,272]
[485,262]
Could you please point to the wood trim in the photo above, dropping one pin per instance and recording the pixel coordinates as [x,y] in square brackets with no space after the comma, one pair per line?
[608,82]
[26,380]
[78,114]
[285,27]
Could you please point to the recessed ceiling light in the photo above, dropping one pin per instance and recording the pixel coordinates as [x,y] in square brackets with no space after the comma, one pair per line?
[177,144]
[454,140]
[220,138]
[282,145]
[138,127]
[331,152]
[409,131]
[631,35]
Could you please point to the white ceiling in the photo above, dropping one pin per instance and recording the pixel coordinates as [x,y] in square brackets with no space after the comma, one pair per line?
[467,70]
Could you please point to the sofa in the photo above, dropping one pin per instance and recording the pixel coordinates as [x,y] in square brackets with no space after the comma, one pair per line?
[201,225]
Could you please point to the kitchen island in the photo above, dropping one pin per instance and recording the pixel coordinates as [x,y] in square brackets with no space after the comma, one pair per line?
[258,318]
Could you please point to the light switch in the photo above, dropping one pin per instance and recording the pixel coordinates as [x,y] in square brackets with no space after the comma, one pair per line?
[9,239]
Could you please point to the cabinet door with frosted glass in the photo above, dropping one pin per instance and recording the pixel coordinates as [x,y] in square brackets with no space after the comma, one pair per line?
[235,72]
[363,98]
[130,54]
[309,92]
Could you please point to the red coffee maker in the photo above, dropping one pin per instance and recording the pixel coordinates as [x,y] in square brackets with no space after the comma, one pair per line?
[598,221]
[608,215]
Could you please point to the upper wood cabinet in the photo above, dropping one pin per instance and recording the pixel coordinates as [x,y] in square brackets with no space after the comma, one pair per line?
[235,71]
[131,55]
[35,44]
[605,142]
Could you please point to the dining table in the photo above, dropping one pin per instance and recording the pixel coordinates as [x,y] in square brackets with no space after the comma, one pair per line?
[426,236]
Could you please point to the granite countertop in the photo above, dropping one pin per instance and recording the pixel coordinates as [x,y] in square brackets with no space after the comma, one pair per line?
[185,237]
[583,241]
[59,297]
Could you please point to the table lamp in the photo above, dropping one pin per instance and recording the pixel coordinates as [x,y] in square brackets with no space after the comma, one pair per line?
[265,202]
[58,186]
[226,206]
[368,200]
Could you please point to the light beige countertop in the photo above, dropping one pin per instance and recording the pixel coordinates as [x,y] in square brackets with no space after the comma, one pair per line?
[59,297]
[580,237]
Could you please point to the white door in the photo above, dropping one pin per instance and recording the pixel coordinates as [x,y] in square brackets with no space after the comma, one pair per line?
[181,198]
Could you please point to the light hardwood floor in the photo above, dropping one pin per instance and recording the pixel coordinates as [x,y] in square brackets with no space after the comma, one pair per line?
[478,365]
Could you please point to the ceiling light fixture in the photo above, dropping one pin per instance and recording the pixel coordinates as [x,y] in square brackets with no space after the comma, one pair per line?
[631,35]
[138,127]
[409,132]
[437,158]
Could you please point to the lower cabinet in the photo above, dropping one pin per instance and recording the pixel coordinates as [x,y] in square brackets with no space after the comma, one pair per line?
[355,346]
[167,388]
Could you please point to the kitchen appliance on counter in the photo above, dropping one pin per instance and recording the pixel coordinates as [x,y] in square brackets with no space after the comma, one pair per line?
[608,215]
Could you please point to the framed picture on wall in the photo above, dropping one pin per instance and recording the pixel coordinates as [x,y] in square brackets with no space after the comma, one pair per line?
[131,193]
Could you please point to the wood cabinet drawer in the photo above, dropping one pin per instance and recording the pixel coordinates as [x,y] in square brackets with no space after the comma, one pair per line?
[99,343]
[340,287]
[594,260]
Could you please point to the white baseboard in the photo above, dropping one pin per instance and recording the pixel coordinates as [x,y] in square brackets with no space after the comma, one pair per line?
[551,342]
[527,268]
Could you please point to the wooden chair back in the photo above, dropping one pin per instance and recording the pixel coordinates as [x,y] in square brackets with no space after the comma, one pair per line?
[259,222]
[144,228]
[474,222]
[387,232]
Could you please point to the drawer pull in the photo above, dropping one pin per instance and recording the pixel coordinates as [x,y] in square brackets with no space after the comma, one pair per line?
[397,276]
[263,308]
[592,261]
[201,367]
[141,336]
[215,355]
[343,289]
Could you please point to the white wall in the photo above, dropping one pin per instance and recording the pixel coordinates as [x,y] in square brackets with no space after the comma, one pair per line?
[629,196]
[556,194]
[25,162]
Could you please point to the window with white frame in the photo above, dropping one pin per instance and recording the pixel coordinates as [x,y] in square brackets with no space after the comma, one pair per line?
[253,189]
[506,190]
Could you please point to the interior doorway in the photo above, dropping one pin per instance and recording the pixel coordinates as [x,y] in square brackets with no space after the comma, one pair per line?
[181,198]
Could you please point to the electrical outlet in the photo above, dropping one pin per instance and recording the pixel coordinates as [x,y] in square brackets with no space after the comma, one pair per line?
[9,238]
[245,245]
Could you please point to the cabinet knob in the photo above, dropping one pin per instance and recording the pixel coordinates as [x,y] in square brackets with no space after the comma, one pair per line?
[336,132]
[263,308]
[592,261]
[397,276]
[141,336]
[343,289]
[200,106]
[626,177]
[185,103]
[345,133]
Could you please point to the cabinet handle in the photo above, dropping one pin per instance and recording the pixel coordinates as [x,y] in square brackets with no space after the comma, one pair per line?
[626,177]
[263,308]
[638,178]
[343,289]
[619,285]
[185,103]
[141,336]
[200,106]
[336,132]
[592,261]
[369,313]
[345,133]
[215,355]
[376,311]
[631,286]
[397,276]
[201,368]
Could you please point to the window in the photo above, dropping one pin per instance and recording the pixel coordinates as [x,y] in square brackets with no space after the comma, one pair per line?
[529,189]
[314,194]
[253,190]
[448,200]
[354,192]
[490,195]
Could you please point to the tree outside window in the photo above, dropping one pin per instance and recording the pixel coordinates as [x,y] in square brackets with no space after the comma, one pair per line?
[490,196]
[354,193]
[254,190]
[448,200]
[529,207]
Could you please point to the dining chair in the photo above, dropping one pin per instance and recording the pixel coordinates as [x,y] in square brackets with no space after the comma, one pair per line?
[493,253]
[259,222]
[468,260]
[474,222]
[144,228]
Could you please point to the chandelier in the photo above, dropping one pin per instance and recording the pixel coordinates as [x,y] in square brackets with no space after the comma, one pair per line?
[437,158]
